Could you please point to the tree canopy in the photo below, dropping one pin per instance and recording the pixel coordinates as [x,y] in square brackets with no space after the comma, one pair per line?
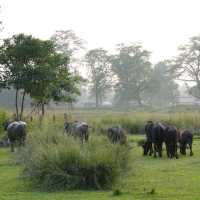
[162,89]
[34,67]
[98,62]
[133,69]
[186,66]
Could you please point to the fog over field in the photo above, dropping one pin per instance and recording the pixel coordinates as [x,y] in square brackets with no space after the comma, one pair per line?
[158,27]
[161,26]
[99,99]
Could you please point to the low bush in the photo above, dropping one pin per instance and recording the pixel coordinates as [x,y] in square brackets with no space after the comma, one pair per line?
[3,117]
[56,162]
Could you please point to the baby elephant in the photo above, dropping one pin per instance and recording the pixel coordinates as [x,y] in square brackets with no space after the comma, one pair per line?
[116,135]
[16,132]
[185,138]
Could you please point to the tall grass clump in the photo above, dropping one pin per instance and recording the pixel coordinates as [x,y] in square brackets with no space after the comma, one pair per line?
[57,162]
[134,123]
[3,117]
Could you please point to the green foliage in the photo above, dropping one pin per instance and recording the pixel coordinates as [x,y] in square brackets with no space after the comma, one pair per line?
[186,66]
[161,90]
[3,118]
[148,178]
[146,174]
[117,192]
[98,63]
[67,42]
[134,123]
[57,162]
[133,69]
[33,66]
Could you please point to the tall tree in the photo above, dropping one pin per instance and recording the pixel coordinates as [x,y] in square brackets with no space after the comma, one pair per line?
[1,22]
[162,89]
[33,67]
[186,66]
[68,43]
[98,63]
[17,55]
[53,81]
[133,70]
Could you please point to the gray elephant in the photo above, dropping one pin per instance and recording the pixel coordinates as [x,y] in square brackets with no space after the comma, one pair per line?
[16,132]
[116,135]
[77,129]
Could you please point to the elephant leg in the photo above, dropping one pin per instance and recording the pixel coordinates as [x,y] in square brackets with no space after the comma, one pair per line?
[171,151]
[150,148]
[160,150]
[12,146]
[145,148]
[176,151]
[86,137]
[167,150]
[191,152]
[154,150]
[184,149]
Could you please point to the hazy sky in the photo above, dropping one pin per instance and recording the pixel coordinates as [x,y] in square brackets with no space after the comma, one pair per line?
[160,25]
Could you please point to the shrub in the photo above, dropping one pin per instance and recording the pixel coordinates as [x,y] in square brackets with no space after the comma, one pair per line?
[57,162]
[117,192]
[3,117]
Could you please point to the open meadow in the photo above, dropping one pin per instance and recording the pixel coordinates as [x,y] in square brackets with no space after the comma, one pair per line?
[146,178]
[99,100]
[149,178]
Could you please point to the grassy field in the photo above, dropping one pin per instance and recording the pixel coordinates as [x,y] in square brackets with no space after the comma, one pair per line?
[149,178]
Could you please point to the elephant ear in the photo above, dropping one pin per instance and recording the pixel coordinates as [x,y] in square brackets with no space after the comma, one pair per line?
[167,129]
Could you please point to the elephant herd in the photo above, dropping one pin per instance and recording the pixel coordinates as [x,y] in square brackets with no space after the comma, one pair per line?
[78,129]
[17,131]
[158,133]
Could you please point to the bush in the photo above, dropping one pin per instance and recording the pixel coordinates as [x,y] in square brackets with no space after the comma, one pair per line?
[3,117]
[57,162]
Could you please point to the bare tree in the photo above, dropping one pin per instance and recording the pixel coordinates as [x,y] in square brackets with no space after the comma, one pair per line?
[186,66]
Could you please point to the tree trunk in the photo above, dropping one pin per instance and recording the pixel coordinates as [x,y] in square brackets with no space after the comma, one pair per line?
[139,100]
[16,104]
[22,105]
[43,110]
[97,100]
[100,100]
[97,96]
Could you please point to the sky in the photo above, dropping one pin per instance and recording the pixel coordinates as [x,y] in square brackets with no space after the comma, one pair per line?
[160,25]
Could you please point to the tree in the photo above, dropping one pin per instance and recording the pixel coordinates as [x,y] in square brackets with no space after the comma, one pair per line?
[1,23]
[98,62]
[133,69]
[54,82]
[67,43]
[32,66]
[161,90]
[17,55]
[70,45]
[186,66]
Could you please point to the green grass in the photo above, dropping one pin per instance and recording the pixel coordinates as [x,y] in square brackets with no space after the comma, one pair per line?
[149,178]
